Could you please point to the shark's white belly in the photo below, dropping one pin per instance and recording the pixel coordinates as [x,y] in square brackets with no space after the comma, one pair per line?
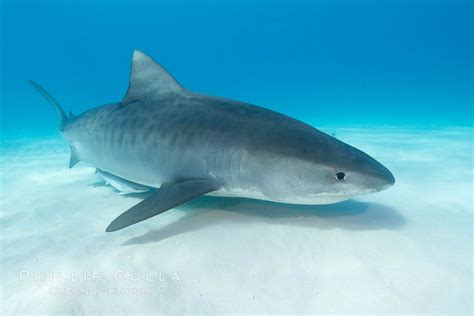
[316,199]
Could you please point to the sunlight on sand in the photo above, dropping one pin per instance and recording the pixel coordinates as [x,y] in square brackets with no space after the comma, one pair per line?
[404,250]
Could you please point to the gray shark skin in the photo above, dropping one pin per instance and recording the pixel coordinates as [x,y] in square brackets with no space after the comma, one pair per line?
[187,145]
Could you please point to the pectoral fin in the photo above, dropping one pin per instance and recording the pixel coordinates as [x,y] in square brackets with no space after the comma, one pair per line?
[166,197]
[74,158]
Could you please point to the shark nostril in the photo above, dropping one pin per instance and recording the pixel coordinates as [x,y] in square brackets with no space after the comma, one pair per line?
[340,176]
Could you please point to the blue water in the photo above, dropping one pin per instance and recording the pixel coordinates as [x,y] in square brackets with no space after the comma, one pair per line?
[392,78]
[336,62]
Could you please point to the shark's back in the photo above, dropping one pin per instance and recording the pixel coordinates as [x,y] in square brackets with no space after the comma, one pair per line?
[151,141]
[162,132]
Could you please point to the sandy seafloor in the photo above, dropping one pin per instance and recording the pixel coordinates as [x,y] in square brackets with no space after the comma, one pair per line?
[405,250]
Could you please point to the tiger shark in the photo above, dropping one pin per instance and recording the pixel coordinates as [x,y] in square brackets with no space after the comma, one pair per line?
[187,144]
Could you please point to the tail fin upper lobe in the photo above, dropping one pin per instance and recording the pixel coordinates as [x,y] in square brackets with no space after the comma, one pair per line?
[61,114]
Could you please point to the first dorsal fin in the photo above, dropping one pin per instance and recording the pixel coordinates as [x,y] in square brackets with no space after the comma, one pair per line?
[149,79]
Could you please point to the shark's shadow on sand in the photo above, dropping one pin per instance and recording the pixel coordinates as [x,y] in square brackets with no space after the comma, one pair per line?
[209,210]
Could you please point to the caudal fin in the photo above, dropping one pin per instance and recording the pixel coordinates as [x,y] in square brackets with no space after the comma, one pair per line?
[61,114]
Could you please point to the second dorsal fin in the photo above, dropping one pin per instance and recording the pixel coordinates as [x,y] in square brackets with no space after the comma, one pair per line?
[148,79]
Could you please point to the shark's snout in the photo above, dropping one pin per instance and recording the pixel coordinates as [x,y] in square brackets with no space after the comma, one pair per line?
[388,180]
[359,173]
[380,179]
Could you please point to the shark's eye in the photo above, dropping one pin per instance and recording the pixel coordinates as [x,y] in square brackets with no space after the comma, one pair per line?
[340,176]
